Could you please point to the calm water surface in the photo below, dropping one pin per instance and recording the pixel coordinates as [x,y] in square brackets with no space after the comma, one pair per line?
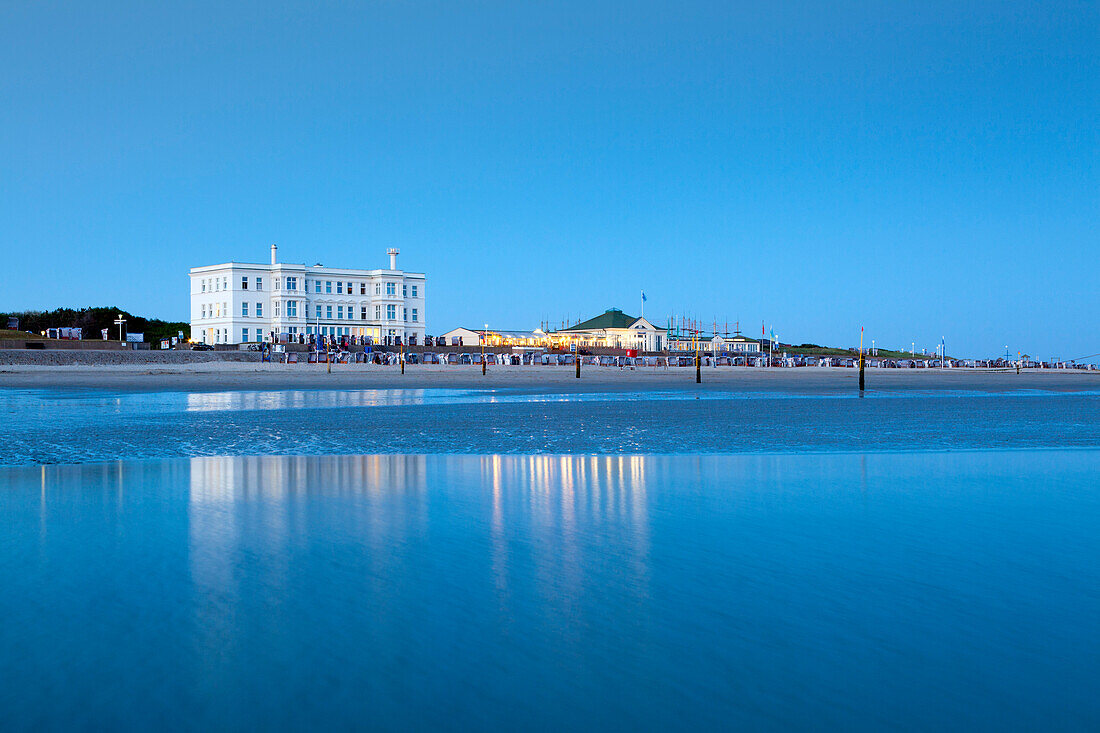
[881,591]
[58,426]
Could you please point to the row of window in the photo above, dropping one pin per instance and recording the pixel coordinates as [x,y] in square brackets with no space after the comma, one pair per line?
[216,284]
[349,288]
[326,312]
[249,335]
[215,310]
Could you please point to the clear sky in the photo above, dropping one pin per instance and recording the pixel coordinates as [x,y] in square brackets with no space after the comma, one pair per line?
[925,169]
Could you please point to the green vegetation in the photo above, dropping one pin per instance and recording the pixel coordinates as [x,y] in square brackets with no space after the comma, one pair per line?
[93,320]
[815,350]
[21,335]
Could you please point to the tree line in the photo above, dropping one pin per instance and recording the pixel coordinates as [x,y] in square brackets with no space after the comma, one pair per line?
[94,320]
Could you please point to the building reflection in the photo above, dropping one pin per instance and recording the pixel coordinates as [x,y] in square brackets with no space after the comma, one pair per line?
[549,512]
[304,399]
[553,527]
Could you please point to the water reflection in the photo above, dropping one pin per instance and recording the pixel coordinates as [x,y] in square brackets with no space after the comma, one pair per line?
[301,399]
[490,592]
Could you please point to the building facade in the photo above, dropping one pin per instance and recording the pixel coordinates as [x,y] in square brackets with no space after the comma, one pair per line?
[712,344]
[612,329]
[240,302]
[474,337]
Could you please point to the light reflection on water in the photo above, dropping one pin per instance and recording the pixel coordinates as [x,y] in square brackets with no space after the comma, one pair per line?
[881,591]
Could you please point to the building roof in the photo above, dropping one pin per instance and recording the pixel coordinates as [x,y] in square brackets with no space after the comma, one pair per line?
[611,318]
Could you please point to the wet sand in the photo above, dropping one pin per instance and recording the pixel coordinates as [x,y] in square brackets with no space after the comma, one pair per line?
[226,375]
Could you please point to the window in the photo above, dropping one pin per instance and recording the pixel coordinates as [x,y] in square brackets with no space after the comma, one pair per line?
[362,288]
[339,311]
[259,283]
[217,284]
[225,286]
[244,310]
[391,311]
[203,311]
[405,314]
[414,291]
[244,335]
[391,288]
[349,288]
[415,319]
[404,290]
[276,283]
[292,283]
[292,309]
[328,286]
[339,287]
[378,288]
[259,310]
[276,309]
[328,312]
[363,313]
[316,286]
[204,286]
[377,312]
[318,316]
[244,286]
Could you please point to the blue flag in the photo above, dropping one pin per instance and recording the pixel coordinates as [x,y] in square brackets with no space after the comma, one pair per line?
[643,296]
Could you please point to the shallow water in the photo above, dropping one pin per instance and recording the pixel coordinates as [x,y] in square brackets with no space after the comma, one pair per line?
[58,426]
[883,591]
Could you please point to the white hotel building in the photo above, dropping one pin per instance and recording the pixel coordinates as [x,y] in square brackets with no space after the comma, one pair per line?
[241,302]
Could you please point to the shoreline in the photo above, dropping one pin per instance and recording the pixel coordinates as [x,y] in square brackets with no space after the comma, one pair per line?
[213,376]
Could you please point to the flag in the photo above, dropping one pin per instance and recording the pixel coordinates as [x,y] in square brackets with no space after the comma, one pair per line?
[643,296]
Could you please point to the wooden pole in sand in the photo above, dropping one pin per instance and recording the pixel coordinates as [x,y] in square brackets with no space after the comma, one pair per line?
[402,356]
[861,361]
[698,361]
[577,360]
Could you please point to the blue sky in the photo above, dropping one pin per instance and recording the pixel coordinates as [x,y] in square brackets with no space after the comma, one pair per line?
[925,169]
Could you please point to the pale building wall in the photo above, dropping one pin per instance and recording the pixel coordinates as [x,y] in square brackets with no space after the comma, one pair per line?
[381,303]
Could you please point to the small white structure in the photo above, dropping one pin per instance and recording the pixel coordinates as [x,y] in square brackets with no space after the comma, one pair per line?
[240,302]
[736,344]
[473,337]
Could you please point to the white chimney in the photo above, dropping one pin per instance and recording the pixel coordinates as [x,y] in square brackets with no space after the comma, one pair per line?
[393,252]
[273,248]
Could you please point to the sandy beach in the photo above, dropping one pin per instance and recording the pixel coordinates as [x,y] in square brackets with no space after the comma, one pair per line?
[215,374]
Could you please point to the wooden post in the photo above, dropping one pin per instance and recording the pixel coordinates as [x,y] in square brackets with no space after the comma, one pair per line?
[402,356]
[577,361]
[861,361]
[698,368]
